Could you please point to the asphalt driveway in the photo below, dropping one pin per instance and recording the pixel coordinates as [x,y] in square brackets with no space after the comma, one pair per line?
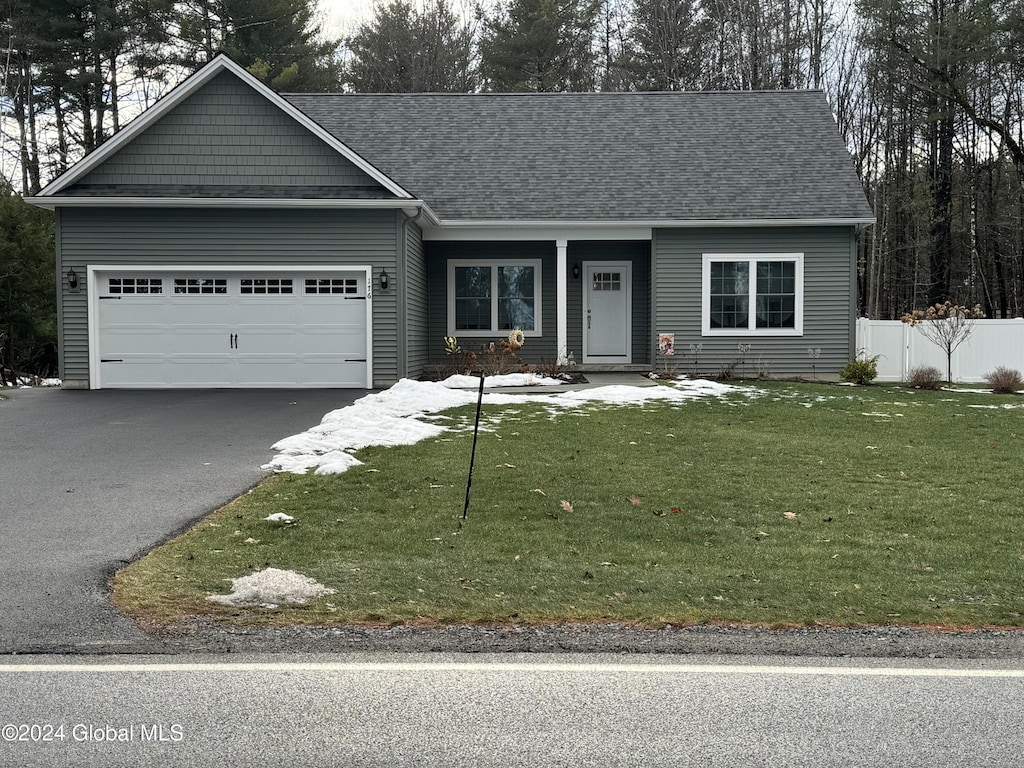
[89,480]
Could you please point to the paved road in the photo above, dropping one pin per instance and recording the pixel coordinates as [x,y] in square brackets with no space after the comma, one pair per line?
[88,480]
[535,711]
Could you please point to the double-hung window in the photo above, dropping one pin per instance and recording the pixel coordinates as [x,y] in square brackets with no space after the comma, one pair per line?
[491,297]
[760,294]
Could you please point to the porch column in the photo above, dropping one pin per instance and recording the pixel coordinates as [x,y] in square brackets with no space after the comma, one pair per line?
[561,293]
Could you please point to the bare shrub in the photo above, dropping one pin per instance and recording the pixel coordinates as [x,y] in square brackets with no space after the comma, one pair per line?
[497,359]
[553,368]
[947,326]
[924,377]
[1005,381]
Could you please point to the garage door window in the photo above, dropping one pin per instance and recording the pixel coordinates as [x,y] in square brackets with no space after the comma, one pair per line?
[134,285]
[328,285]
[200,285]
[266,285]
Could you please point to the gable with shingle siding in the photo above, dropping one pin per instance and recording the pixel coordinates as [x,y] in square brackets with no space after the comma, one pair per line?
[227,140]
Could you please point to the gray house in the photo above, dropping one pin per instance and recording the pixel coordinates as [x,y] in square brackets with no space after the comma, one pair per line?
[233,237]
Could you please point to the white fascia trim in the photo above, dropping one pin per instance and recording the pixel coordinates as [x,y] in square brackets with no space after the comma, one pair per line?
[602,229]
[190,85]
[92,300]
[516,231]
[412,207]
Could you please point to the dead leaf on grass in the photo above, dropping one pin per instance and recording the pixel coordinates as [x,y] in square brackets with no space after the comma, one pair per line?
[538,490]
[634,500]
[676,511]
[789,515]
[567,506]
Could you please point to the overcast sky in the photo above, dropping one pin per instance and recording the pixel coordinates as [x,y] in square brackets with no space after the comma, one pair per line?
[340,15]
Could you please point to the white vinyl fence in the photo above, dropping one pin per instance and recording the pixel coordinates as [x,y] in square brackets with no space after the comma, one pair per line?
[901,347]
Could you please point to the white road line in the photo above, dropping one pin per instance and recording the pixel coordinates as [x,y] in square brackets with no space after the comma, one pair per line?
[532,668]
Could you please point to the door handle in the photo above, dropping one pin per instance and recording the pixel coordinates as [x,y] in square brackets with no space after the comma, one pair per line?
[233,340]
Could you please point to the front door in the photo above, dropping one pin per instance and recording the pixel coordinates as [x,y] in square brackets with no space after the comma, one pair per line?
[607,299]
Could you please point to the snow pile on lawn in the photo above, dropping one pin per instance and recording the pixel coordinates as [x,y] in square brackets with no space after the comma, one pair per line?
[392,417]
[270,588]
[703,387]
[502,380]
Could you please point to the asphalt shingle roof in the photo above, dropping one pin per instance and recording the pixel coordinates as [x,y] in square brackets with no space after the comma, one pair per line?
[692,156]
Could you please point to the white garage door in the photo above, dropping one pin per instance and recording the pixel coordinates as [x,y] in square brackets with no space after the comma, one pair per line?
[244,328]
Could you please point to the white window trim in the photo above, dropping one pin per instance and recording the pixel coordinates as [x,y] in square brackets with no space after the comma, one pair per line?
[751,259]
[537,285]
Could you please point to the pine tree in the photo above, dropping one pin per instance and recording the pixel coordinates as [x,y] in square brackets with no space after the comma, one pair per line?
[403,49]
[276,40]
[540,45]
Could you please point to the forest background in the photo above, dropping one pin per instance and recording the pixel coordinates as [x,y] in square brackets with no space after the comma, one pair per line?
[928,94]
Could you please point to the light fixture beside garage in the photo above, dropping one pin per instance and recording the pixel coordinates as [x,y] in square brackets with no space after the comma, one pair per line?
[384,279]
[72,279]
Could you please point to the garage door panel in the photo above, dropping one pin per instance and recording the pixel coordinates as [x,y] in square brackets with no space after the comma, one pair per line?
[251,332]
[161,371]
[322,373]
[338,312]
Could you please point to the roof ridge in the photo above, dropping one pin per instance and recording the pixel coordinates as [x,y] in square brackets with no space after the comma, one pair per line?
[550,94]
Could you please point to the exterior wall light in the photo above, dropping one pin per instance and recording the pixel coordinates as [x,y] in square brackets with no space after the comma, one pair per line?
[384,280]
[576,271]
[72,279]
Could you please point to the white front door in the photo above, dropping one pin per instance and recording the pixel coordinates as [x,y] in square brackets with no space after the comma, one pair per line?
[607,316]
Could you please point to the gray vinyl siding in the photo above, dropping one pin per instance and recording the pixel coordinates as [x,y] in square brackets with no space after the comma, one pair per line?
[639,255]
[828,297]
[230,237]
[227,134]
[536,348]
[416,334]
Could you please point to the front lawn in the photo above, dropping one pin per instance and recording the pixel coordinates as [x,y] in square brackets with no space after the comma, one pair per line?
[799,504]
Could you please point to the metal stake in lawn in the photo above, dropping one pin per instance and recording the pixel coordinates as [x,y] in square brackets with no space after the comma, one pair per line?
[472,455]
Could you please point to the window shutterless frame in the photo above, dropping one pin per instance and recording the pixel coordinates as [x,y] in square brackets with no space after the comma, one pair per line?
[749,306]
[493,296]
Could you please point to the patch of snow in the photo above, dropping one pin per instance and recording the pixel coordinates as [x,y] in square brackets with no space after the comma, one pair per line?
[270,588]
[279,517]
[393,417]
[387,418]
[503,380]
[23,383]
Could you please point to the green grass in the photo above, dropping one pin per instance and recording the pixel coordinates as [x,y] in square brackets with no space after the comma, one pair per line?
[907,510]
